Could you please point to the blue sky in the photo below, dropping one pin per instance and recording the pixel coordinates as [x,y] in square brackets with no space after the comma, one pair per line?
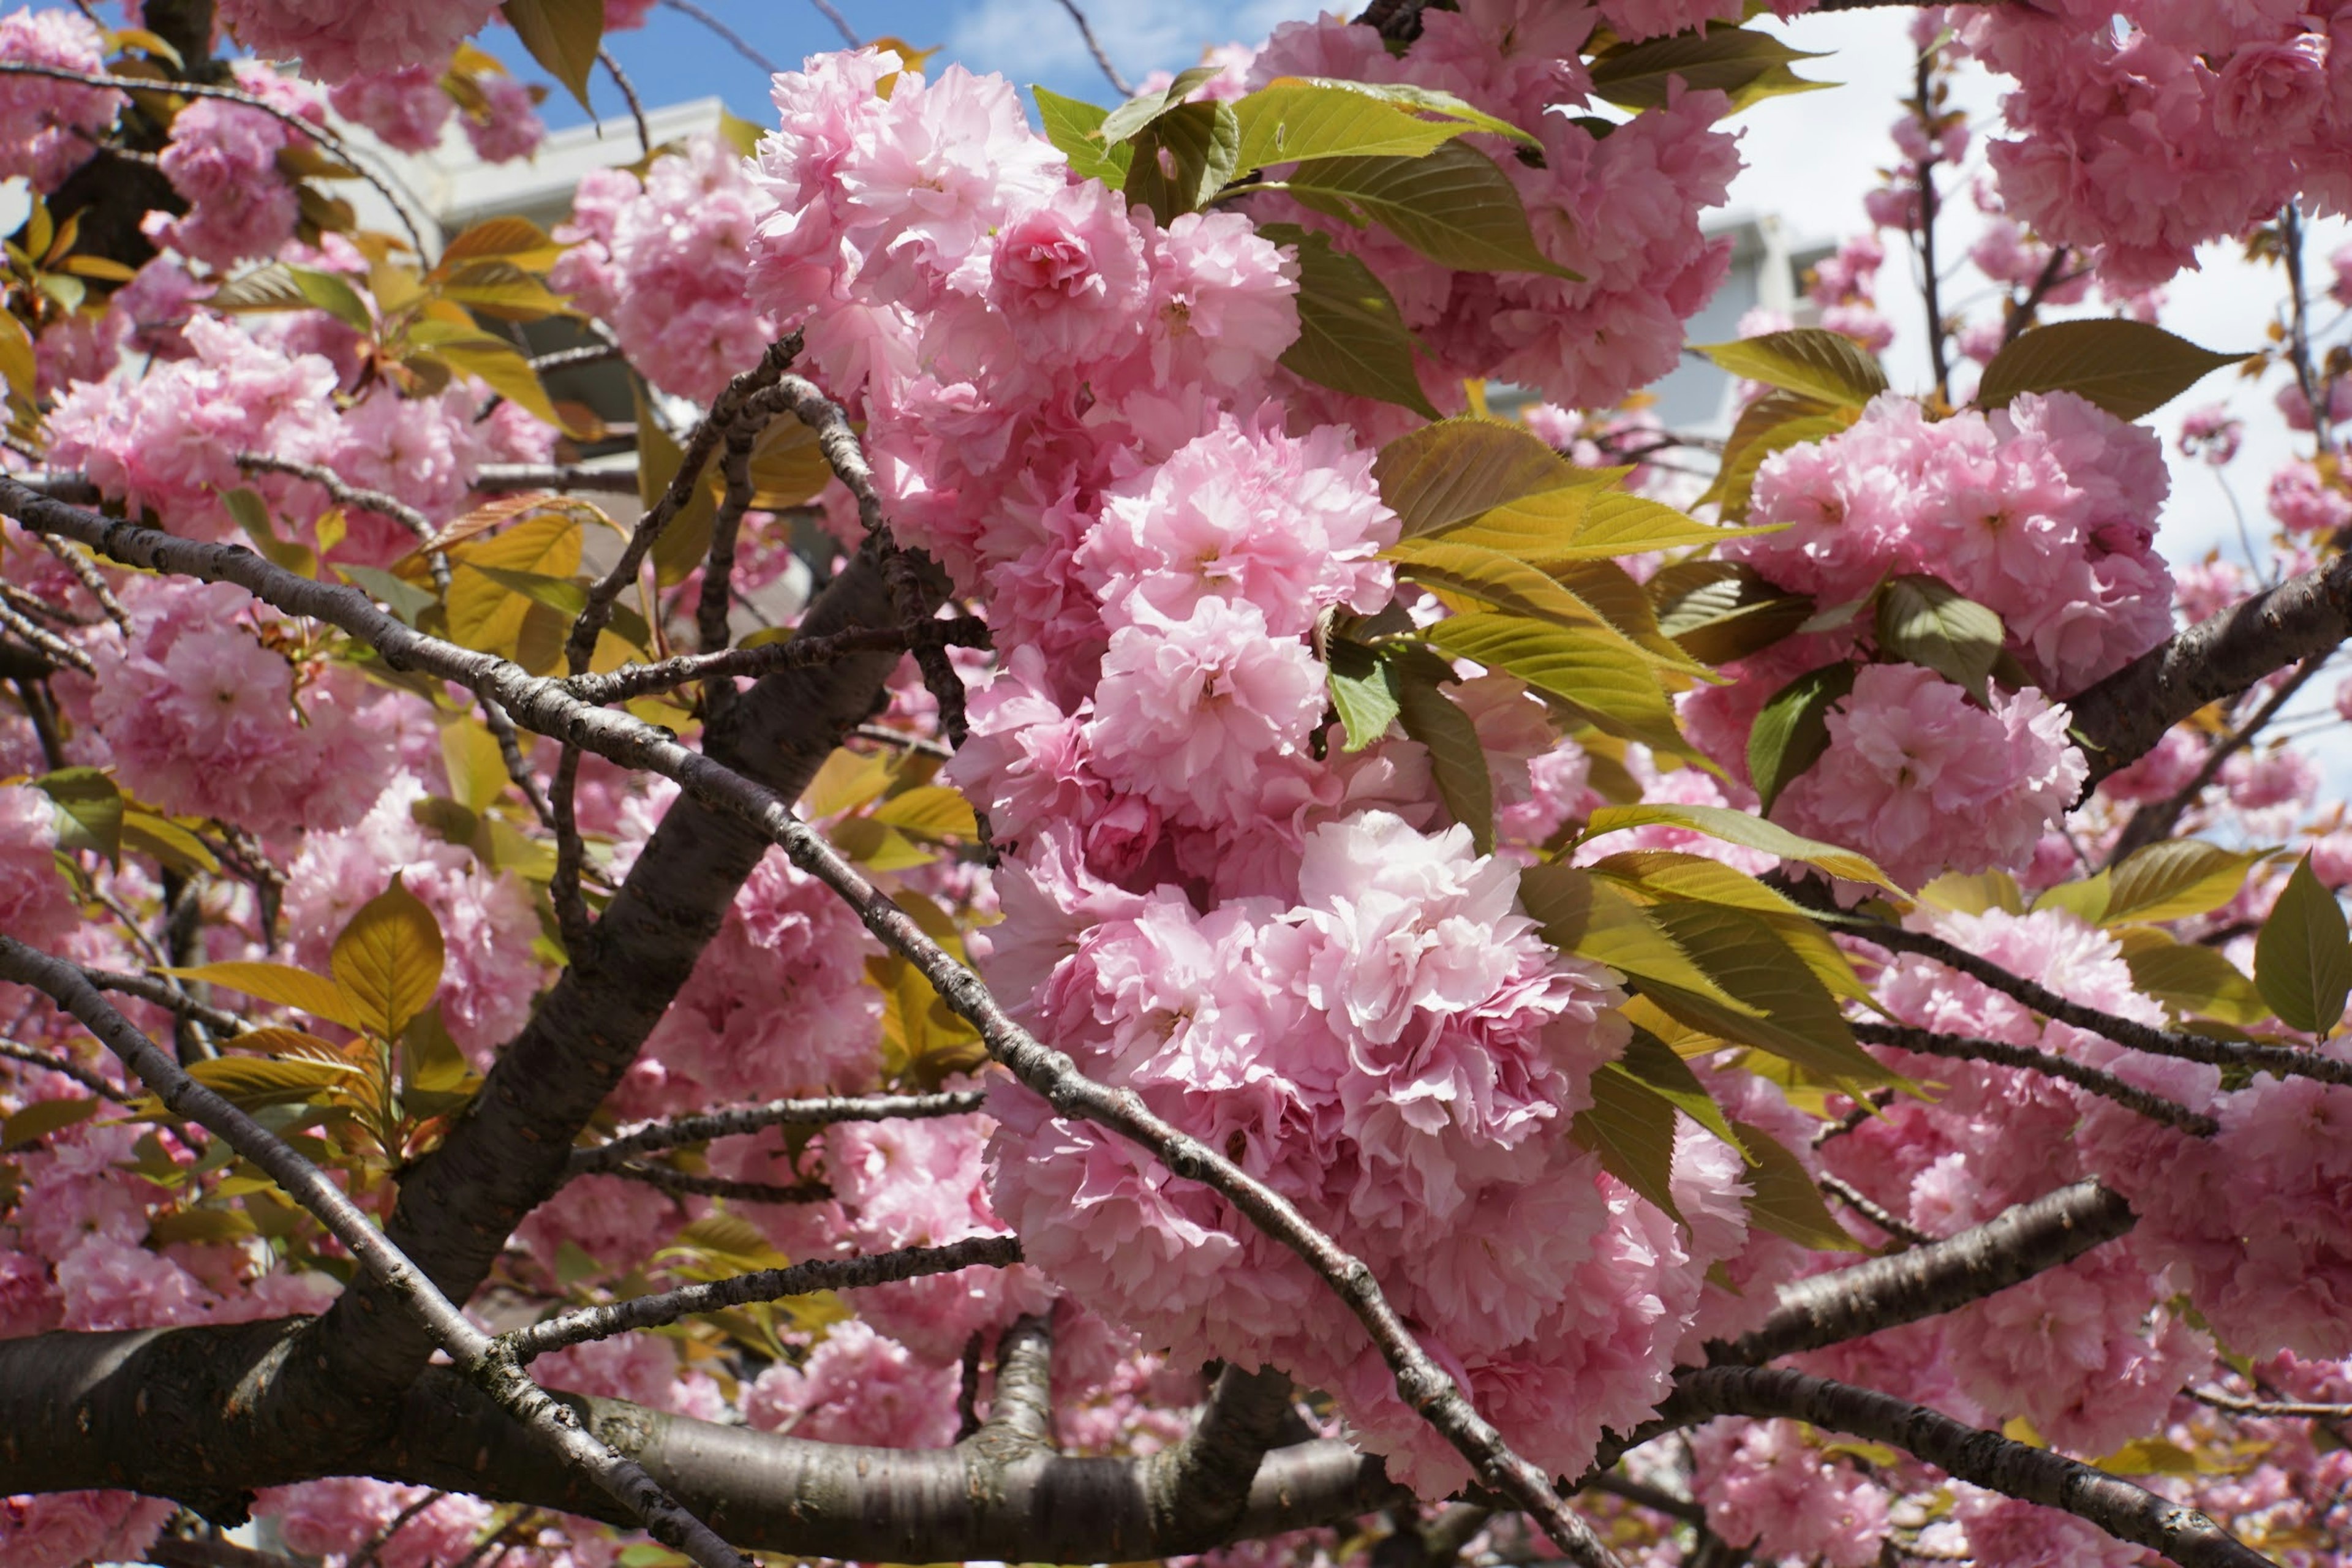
[674,57]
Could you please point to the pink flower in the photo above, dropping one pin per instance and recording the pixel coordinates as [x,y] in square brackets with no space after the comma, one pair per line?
[63,1529]
[2306,503]
[1287,526]
[109,1284]
[1069,276]
[36,907]
[49,128]
[505,126]
[1923,781]
[337,1516]
[857,1387]
[2272,90]
[406,107]
[1191,712]
[1767,1488]
[334,41]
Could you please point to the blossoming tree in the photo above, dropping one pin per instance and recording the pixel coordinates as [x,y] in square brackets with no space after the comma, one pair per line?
[1272,964]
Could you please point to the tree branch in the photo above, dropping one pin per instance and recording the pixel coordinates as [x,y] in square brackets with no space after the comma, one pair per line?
[585,1323]
[551,1425]
[1986,1459]
[2121,718]
[712,1124]
[1206,1477]
[2000,1053]
[1020,1411]
[1906,1286]
[2156,819]
[693,1184]
[546,707]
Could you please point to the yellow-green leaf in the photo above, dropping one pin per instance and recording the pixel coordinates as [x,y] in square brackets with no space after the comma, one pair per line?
[1593,674]
[1726,59]
[1717,611]
[1143,110]
[1783,1199]
[279,983]
[929,811]
[1773,422]
[1745,956]
[1450,471]
[562,35]
[1812,360]
[150,833]
[515,240]
[1456,762]
[329,293]
[489,615]
[1749,832]
[89,809]
[1926,621]
[1350,338]
[1183,158]
[1454,206]
[501,367]
[1506,584]
[471,757]
[2175,879]
[2192,980]
[43,1117]
[388,960]
[2302,957]
[2128,368]
[1652,1063]
[1671,874]
[847,780]
[1632,1129]
[1363,689]
[1583,915]
[1973,894]
[1075,127]
[1289,120]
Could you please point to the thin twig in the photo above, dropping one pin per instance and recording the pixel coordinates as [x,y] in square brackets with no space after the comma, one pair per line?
[2283,1409]
[840,22]
[734,39]
[1869,1209]
[43,641]
[703,1128]
[883,735]
[2156,819]
[2000,1053]
[546,707]
[629,94]
[1657,1500]
[687,1183]
[17,1050]
[366,1556]
[564,478]
[565,359]
[164,991]
[1094,47]
[311,129]
[92,580]
[481,1359]
[795,653]
[584,1323]
[342,491]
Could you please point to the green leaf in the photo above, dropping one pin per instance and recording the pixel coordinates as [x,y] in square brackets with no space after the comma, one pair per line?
[388,960]
[2192,980]
[2086,900]
[1924,620]
[1719,611]
[89,809]
[1592,674]
[1074,126]
[501,367]
[250,1082]
[2128,368]
[1145,109]
[2175,879]
[1783,1199]
[1588,522]
[403,598]
[1973,894]
[1183,158]
[1652,1063]
[1404,94]
[43,1117]
[1503,581]
[560,594]
[1350,338]
[1456,762]
[686,543]
[1454,206]
[1742,954]
[1811,361]
[1589,916]
[269,286]
[146,832]
[1291,120]
[489,614]
[1450,471]
[1610,591]
[515,240]
[1792,730]
[1728,60]
[1672,874]
[562,35]
[430,1061]
[329,292]
[2303,964]
[1363,689]
[1749,832]
[1632,1129]
[279,983]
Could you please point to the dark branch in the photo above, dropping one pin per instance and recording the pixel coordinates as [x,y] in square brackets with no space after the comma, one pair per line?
[777,1113]
[2000,1053]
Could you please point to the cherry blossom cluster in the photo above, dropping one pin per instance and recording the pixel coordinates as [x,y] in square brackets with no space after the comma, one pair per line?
[50,128]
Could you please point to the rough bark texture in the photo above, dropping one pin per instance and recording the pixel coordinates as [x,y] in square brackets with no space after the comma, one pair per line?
[2122,718]
[2009,1249]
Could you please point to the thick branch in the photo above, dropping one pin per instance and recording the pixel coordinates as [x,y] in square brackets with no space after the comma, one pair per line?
[562,478]
[2122,718]
[551,1425]
[546,707]
[1206,1477]
[2158,818]
[2005,1250]
[1986,1459]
